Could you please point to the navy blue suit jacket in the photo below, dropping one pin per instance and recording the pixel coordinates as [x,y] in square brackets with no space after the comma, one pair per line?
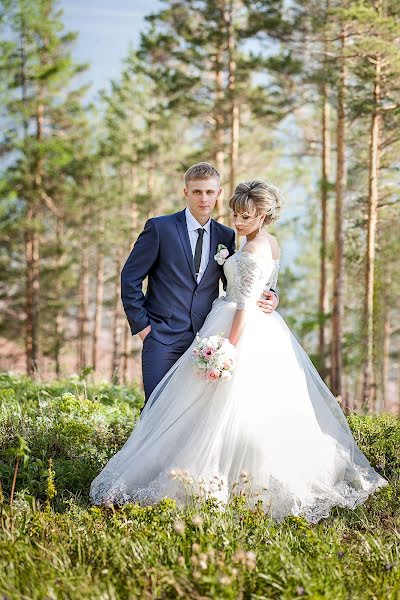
[174,303]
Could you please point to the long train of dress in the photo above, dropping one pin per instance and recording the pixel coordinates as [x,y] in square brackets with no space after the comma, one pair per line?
[274,431]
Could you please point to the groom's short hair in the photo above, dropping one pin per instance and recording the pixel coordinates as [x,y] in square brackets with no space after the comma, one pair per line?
[201,170]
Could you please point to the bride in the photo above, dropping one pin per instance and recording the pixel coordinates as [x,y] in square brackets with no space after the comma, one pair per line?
[273,432]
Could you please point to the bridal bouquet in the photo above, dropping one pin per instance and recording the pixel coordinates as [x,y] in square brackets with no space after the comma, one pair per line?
[213,358]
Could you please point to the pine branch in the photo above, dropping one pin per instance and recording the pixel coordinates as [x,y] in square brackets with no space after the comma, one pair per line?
[50,204]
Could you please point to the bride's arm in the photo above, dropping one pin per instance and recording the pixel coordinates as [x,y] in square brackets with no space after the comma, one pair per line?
[270,299]
[238,324]
[246,268]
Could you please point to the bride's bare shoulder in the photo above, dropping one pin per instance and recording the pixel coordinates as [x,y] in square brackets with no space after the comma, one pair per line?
[262,245]
[273,242]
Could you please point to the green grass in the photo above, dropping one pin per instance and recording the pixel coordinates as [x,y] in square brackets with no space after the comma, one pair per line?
[55,545]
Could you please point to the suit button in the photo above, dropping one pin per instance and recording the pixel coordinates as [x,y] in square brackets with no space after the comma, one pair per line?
[195,293]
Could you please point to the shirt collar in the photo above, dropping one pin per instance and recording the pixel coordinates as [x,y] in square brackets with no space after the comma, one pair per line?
[193,224]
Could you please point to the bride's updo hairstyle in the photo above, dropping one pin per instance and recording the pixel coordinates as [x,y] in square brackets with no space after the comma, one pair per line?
[257,197]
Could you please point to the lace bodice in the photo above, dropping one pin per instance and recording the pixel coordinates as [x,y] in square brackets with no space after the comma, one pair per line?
[247,276]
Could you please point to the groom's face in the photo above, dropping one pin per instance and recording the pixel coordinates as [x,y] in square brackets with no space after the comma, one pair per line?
[201,195]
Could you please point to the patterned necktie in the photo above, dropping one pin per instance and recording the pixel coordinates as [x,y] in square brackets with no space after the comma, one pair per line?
[197,252]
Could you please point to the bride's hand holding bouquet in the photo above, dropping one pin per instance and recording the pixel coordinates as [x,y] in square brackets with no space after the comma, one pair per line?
[213,358]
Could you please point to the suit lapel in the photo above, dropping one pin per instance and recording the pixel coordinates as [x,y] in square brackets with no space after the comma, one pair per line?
[184,236]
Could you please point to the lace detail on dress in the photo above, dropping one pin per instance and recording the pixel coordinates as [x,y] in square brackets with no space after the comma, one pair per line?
[108,492]
[247,276]
[279,502]
[277,499]
[273,280]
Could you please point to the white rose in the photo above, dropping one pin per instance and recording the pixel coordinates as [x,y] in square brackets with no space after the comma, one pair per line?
[226,376]
[219,259]
[213,341]
[222,254]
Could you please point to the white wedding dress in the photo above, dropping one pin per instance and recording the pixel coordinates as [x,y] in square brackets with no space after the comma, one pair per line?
[274,432]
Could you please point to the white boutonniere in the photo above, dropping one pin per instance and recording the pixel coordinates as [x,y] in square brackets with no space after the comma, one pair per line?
[222,254]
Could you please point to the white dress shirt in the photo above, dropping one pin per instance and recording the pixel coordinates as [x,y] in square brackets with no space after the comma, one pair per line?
[192,226]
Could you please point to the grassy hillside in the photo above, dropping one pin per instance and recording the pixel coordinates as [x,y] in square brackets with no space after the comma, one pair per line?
[55,545]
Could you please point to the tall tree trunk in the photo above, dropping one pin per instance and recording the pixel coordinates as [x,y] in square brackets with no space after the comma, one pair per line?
[23,72]
[59,329]
[398,383]
[83,316]
[117,319]
[337,302]
[369,388]
[325,168]
[385,357]
[127,335]
[134,206]
[126,349]
[99,293]
[150,187]
[325,175]
[234,106]
[32,242]
[32,267]
[219,130]
[150,175]
[32,290]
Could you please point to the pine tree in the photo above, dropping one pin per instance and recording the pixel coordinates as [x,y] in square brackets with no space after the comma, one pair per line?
[43,115]
[375,68]
[140,149]
[206,74]
[338,268]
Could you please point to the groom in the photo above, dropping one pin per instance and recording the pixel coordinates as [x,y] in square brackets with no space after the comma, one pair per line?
[176,253]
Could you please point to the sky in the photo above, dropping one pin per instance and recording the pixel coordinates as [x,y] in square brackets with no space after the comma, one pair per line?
[106,30]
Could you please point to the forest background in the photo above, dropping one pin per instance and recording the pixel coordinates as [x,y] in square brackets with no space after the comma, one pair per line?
[304,94]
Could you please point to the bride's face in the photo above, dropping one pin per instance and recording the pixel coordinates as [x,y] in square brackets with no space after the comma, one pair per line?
[246,223]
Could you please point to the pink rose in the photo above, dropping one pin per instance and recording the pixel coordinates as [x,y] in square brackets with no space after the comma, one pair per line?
[212,375]
[208,352]
[224,253]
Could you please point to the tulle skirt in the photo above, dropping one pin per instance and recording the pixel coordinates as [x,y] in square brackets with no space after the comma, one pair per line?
[273,433]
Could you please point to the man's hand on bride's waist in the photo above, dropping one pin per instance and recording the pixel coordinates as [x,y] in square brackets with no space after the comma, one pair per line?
[269,303]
